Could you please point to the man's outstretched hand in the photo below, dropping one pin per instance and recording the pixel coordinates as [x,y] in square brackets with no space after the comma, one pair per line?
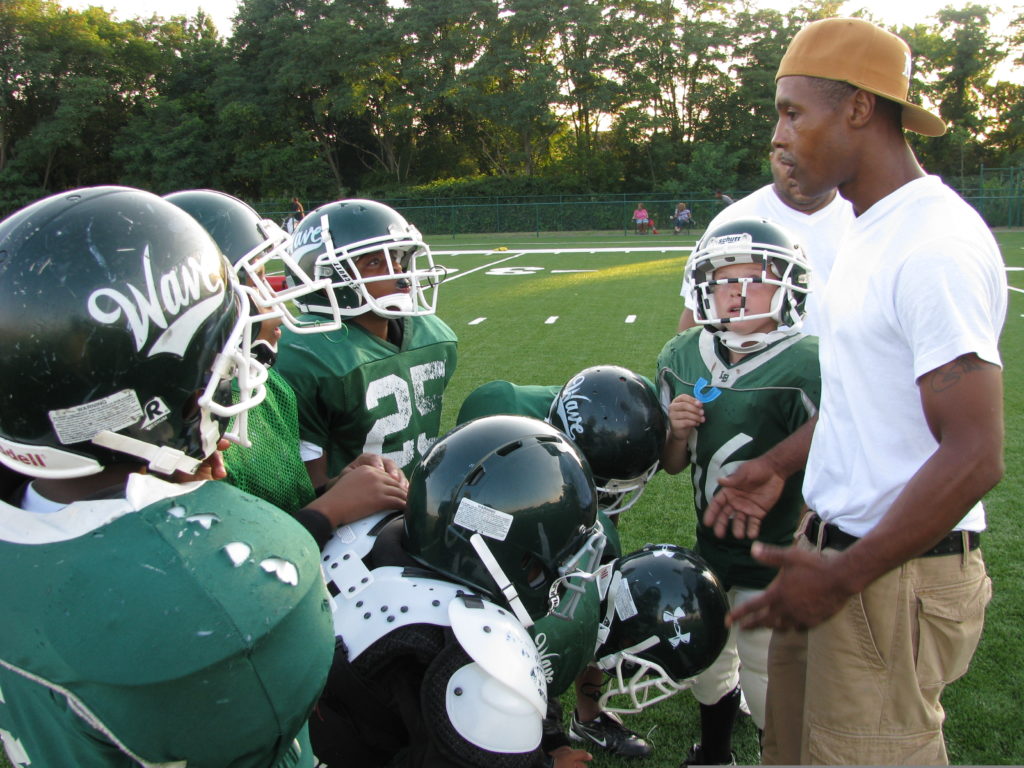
[744,499]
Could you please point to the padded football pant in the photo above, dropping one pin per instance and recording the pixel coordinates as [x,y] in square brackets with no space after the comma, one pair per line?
[743,661]
[863,687]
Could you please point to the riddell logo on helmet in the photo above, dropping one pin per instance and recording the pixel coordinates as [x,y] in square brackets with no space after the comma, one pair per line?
[28,459]
[568,407]
[174,303]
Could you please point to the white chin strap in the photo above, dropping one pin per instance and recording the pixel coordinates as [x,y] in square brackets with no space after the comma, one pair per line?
[161,458]
[508,591]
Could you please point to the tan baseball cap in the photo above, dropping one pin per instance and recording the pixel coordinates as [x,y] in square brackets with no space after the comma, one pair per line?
[861,54]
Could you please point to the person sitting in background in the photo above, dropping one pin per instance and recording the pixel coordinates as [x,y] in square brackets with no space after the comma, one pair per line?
[683,217]
[641,219]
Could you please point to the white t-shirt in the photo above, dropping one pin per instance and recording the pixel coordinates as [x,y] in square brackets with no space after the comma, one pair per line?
[918,282]
[819,233]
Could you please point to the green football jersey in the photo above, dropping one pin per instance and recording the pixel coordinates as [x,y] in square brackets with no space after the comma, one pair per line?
[177,625]
[359,393]
[272,468]
[749,407]
[503,397]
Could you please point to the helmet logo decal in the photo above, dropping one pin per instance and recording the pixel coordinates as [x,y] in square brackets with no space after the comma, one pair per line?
[306,239]
[568,407]
[547,656]
[156,410]
[674,616]
[483,519]
[178,298]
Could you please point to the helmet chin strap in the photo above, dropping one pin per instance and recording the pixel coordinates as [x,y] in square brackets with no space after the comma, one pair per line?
[751,342]
[161,458]
[503,582]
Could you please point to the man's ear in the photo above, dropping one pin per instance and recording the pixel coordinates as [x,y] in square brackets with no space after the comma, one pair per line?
[861,108]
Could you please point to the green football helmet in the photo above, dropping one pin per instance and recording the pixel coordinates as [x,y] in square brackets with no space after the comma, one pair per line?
[783,264]
[616,420]
[255,246]
[507,506]
[122,329]
[331,238]
[665,624]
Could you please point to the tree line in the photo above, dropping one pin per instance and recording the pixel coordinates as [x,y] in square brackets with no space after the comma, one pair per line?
[443,98]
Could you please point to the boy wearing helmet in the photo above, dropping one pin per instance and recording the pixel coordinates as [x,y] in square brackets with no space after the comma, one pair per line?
[271,466]
[434,661]
[614,417]
[737,384]
[375,384]
[154,622]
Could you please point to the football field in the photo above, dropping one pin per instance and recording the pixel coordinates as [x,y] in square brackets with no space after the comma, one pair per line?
[537,318]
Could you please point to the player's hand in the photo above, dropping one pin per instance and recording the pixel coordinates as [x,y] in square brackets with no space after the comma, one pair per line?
[381,462]
[744,499]
[567,757]
[684,413]
[806,591]
[212,467]
[360,491]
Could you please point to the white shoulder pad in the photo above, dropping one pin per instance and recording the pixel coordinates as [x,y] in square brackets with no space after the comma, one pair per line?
[502,647]
[490,715]
[389,601]
[354,536]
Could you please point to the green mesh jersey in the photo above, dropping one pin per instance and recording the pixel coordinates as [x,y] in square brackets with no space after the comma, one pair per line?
[177,625]
[359,393]
[749,407]
[272,468]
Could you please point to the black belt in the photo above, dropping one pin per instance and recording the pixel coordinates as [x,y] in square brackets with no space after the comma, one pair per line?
[832,536]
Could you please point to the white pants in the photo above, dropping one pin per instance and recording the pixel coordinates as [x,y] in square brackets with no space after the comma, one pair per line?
[744,660]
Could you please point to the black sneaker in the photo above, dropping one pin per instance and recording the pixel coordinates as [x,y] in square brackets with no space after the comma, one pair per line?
[608,732]
[696,757]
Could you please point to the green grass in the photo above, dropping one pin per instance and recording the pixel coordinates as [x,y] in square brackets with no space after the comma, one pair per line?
[514,343]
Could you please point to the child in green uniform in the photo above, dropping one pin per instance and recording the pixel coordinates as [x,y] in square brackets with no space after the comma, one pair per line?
[738,383]
[150,618]
[375,385]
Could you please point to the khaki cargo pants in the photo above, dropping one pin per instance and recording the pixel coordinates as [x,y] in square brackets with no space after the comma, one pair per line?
[863,687]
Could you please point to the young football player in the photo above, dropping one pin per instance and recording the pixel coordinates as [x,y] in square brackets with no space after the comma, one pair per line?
[435,666]
[737,384]
[375,384]
[153,622]
[614,417]
[271,467]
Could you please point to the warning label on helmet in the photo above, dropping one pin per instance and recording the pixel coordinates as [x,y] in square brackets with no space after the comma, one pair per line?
[492,523]
[84,422]
[625,608]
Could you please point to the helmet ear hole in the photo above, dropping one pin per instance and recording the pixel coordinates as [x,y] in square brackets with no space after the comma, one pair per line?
[534,570]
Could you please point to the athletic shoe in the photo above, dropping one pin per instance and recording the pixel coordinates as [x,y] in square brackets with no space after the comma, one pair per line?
[696,757]
[607,732]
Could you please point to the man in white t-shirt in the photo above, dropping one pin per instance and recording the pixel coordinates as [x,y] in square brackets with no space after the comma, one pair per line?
[817,221]
[880,602]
